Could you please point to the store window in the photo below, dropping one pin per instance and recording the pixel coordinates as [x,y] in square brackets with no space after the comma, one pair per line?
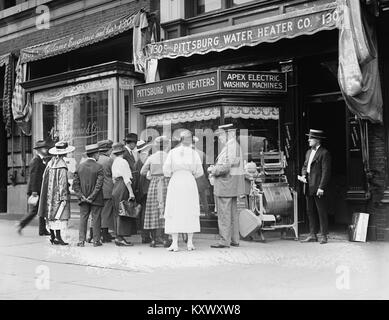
[80,119]
[80,114]
[203,6]
[257,130]
[198,7]
[239,2]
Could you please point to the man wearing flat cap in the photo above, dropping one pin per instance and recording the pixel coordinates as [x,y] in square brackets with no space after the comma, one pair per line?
[37,168]
[88,186]
[131,156]
[107,217]
[316,174]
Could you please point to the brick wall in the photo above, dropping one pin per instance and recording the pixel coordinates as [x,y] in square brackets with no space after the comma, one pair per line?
[19,142]
[377,151]
[74,26]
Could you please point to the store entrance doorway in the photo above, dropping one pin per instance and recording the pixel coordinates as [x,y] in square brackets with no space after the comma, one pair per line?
[331,117]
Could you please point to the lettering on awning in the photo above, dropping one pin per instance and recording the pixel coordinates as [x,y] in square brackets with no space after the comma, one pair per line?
[289,25]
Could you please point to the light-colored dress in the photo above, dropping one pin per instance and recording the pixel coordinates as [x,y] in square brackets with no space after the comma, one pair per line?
[182,210]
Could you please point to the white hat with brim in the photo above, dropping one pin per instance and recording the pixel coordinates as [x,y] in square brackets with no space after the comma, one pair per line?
[61,148]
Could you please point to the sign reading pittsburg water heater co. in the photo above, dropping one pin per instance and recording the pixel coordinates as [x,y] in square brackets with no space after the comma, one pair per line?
[253,81]
[306,21]
[215,81]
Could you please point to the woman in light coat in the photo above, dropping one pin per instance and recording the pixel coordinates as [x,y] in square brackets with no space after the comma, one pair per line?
[54,204]
[182,211]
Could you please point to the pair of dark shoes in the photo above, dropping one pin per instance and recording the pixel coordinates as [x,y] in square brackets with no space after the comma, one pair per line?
[220,246]
[146,240]
[123,243]
[313,238]
[44,233]
[58,242]
[95,244]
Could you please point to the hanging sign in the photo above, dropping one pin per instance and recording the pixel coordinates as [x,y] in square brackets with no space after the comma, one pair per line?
[253,81]
[288,25]
[78,40]
[177,87]
[215,81]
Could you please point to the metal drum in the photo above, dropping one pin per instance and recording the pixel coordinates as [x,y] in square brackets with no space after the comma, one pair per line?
[277,199]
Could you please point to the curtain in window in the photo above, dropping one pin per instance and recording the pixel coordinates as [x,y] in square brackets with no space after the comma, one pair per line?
[183,116]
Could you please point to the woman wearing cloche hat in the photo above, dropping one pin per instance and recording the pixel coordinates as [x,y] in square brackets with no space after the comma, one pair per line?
[55,196]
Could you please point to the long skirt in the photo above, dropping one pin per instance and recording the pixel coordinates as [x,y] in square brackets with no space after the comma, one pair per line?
[155,203]
[124,226]
[182,210]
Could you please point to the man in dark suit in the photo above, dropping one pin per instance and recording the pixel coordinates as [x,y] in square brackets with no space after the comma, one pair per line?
[37,168]
[88,186]
[107,216]
[132,156]
[316,173]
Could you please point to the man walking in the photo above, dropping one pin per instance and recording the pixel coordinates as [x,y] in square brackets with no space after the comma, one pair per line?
[107,218]
[37,168]
[228,185]
[87,184]
[316,173]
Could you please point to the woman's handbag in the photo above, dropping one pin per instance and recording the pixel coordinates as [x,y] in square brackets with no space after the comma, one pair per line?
[129,209]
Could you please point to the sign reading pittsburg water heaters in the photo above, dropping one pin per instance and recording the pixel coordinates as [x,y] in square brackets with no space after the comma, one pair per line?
[215,81]
[176,87]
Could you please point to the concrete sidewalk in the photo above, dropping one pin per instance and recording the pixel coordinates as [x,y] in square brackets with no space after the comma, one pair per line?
[278,269]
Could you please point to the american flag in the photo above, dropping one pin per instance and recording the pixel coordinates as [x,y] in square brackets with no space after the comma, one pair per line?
[21,107]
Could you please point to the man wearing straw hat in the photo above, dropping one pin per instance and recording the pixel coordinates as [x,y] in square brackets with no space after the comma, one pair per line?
[37,168]
[87,184]
[316,174]
[228,176]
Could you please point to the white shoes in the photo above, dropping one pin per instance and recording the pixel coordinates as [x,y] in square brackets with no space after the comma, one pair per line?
[172,248]
[191,247]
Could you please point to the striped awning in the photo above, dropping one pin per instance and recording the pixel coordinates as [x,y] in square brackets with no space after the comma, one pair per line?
[289,25]
[79,40]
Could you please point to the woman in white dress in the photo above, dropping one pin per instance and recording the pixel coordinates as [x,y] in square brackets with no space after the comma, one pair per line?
[182,211]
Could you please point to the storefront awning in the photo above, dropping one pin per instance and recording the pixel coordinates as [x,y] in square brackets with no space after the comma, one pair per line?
[78,40]
[211,113]
[288,25]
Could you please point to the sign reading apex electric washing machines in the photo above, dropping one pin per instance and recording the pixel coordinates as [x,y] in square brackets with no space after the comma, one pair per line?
[211,82]
[253,81]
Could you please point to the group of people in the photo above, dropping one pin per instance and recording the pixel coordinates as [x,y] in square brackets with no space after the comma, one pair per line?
[167,183]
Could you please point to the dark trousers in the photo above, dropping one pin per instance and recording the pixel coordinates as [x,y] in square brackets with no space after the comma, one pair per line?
[85,211]
[317,207]
[32,212]
[107,217]
[203,195]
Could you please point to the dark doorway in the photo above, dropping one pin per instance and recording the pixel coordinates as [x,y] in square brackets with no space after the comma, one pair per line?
[3,150]
[331,117]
